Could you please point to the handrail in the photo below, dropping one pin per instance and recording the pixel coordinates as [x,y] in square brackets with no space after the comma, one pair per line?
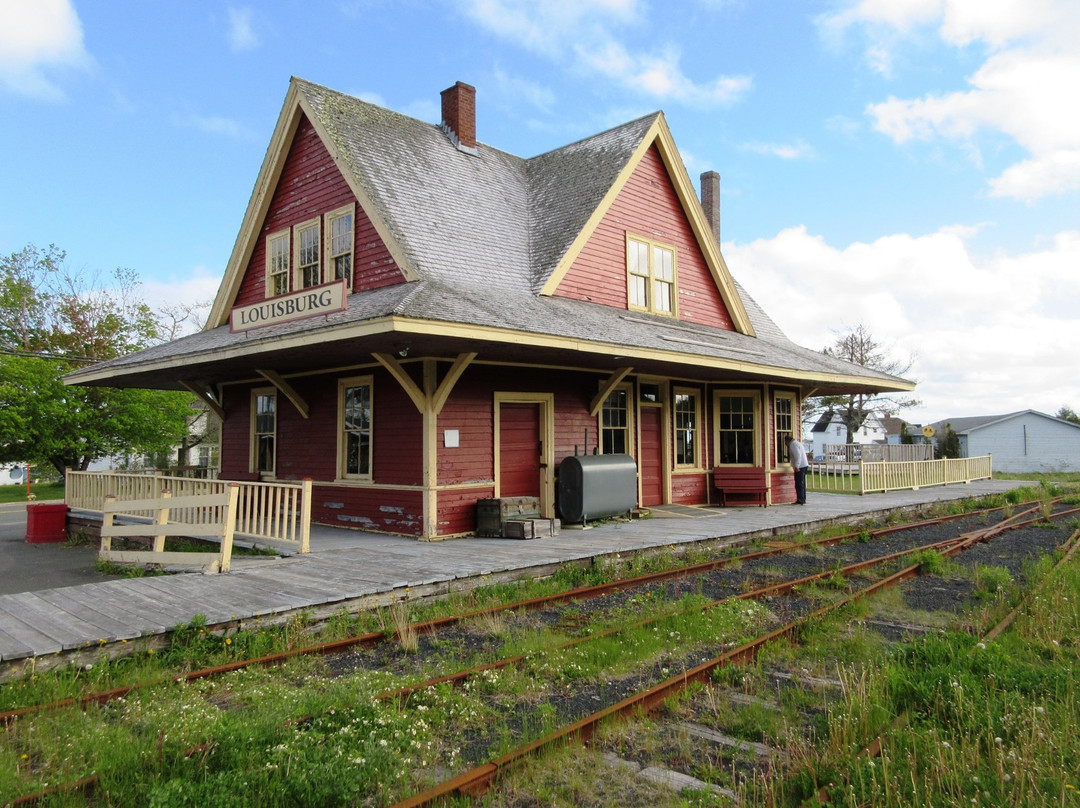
[871,477]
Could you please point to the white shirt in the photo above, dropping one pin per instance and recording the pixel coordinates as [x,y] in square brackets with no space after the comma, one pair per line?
[797,454]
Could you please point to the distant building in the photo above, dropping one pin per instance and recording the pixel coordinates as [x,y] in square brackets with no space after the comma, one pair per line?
[1020,442]
[831,429]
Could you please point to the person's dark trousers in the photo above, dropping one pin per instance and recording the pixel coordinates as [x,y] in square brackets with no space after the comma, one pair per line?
[800,486]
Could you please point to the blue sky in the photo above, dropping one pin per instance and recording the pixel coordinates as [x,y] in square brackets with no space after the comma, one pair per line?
[910,164]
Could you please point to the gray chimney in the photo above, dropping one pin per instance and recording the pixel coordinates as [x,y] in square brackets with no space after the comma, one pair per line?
[459,116]
[710,201]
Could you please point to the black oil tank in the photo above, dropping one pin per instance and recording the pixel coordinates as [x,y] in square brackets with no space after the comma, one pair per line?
[596,486]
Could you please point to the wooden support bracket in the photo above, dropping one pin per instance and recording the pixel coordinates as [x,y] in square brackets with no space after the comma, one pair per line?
[605,389]
[206,395]
[287,390]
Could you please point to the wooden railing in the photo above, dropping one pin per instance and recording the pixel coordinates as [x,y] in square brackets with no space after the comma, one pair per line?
[215,515]
[876,452]
[866,477]
[273,511]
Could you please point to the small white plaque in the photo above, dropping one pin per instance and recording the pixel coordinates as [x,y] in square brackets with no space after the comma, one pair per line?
[451,438]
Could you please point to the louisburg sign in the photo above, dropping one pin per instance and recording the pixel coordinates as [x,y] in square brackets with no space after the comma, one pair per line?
[310,302]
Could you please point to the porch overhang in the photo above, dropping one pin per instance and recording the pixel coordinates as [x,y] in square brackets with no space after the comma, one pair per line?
[242,358]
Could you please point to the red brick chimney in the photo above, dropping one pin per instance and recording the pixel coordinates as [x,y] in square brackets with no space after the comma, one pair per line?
[459,115]
[710,201]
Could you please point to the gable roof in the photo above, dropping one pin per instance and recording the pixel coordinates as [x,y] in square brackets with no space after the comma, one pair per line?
[482,240]
[968,424]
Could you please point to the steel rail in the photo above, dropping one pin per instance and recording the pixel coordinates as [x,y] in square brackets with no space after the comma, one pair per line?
[874,748]
[476,780]
[373,639]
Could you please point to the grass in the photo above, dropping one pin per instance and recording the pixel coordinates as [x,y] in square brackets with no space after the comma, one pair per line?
[42,491]
[989,723]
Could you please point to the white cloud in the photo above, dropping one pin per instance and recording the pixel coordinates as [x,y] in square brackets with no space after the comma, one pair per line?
[38,39]
[799,150]
[217,125]
[1025,88]
[198,288]
[990,335]
[581,34]
[242,36]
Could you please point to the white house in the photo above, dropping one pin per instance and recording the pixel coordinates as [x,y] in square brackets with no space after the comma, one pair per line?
[830,429]
[1020,442]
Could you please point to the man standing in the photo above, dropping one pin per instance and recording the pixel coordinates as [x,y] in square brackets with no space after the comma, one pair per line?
[797,458]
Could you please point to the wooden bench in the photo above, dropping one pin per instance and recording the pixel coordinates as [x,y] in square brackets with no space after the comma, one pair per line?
[748,481]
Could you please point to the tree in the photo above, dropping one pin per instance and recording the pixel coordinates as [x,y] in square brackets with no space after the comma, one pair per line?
[858,345]
[52,320]
[1067,413]
[948,442]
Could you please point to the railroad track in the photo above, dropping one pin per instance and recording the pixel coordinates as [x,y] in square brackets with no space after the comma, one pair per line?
[752,580]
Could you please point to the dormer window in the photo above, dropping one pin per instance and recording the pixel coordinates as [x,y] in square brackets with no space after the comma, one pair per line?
[650,276]
[307,254]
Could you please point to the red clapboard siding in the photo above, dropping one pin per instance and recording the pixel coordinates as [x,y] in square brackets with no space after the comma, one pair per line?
[647,206]
[689,489]
[311,185]
[383,510]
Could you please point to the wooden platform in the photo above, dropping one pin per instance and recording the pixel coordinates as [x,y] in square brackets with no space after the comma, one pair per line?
[352,570]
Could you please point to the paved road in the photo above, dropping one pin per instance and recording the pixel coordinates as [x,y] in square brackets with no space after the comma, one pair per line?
[26,567]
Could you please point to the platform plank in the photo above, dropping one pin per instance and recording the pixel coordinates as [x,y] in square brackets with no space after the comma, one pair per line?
[72,601]
[38,641]
[12,647]
[69,629]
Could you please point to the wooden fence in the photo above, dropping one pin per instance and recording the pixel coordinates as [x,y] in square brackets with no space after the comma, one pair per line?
[868,477]
[279,512]
[211,516]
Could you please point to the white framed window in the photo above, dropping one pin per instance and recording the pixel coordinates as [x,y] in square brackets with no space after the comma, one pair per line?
[736,428]
[264,430]
[687,428]
[615,427]
[650,268]
[307,254]
[340,239]
[783,424]
[354,426]
[277,263]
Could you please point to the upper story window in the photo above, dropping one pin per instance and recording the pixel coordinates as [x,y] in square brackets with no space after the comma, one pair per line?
[307,254]
[650,276]
[339,245]
[277,263]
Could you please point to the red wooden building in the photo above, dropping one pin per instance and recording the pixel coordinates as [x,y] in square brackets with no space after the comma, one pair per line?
[418,321]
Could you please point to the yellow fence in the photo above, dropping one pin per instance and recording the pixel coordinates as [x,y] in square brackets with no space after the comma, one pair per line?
[278,512]
[866,477]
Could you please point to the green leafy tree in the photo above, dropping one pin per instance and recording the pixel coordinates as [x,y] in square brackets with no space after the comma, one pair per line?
[860,347]
[948,442]
[1067,413]
[53,320]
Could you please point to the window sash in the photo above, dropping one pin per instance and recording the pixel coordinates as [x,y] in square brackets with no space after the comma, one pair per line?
[736,427]
[650,276]
[264,432]
[615,423]
[356,427]
[307,256]
[784,415]
[340,240]
[687,428]
[277,264]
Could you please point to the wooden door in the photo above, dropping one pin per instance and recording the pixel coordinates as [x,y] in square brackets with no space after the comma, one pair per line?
[519,450]
[651,456]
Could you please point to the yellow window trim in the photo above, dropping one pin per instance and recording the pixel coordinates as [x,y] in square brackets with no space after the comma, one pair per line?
[253,454]
[737,393]
[270,239]
[298,272]
[698,464]
[651,244]
[328,243]
[355,381]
